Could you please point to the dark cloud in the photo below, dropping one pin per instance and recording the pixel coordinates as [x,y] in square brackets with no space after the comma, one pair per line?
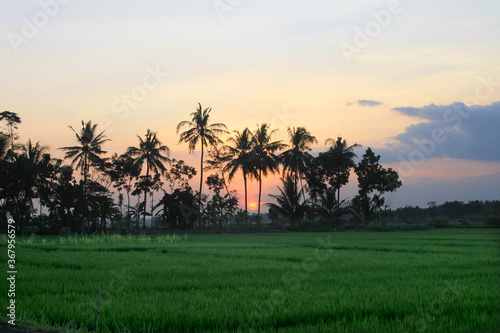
[448,131]
[368,102]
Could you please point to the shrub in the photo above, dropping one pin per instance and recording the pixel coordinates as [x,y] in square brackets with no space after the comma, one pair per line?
[493,221]
[440,223]
[65,231]
[31,230]
[397,227]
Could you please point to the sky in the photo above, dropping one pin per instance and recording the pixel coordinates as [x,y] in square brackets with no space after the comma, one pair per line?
[417,81]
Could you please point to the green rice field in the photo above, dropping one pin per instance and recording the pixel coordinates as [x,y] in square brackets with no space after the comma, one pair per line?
[422,281]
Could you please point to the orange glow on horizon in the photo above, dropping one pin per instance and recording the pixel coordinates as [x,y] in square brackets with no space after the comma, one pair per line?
[252,206]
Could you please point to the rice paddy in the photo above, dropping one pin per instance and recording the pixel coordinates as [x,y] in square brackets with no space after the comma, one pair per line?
[423,281]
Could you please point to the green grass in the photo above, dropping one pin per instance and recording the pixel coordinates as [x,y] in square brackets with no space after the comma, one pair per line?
[422,281]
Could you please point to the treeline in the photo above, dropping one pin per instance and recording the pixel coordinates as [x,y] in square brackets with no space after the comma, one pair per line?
[92,192]
[452,211]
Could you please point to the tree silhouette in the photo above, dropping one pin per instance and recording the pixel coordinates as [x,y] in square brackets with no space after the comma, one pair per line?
[126,173]
[219,207]
[176,208]
[218,159]
[38,162]
[88,153]
[288,201]
[297,159]
[372,177]
[12,120]
[262,155]
[136,211]
[4,143]
[316,183]
[156,185]
[338,162]
[27,173]
[179,175]
[150,151]
[200,130]
[239,153]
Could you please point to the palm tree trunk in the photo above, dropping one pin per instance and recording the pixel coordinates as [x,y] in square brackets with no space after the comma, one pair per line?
[296,199]
[128,208]
[152,207]
[138,216]
[246,198]
[121,202]
[11,134]
[296,180]
[201,179]
[224,179]
[338,201]
[84,199]
[260,191]
[145,199]
[301,187]
[144,213]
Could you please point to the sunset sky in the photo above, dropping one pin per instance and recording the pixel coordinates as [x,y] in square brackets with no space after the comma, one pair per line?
[418,81]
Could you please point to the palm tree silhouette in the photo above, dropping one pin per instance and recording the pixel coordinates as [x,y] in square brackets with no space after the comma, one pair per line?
[288,200]
[297,159]
[150,151]
[200,130]
[35,164]
[240,160]
[88,153]
[343,155]
[262,155]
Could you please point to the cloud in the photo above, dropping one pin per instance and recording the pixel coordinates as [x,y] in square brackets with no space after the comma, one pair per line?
[449,131]
[368,102]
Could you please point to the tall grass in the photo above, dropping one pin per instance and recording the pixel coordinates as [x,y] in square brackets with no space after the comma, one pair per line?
[95,239]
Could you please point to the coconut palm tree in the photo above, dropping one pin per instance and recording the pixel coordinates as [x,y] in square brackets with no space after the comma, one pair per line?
[32,168]
[88,152]
[150,151]
[342,156]
[37,159]
[297,159]
[239,153]
[264,160]
[288,200]
[200,130]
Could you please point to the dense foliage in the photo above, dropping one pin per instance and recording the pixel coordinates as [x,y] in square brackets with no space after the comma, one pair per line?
[88,192]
